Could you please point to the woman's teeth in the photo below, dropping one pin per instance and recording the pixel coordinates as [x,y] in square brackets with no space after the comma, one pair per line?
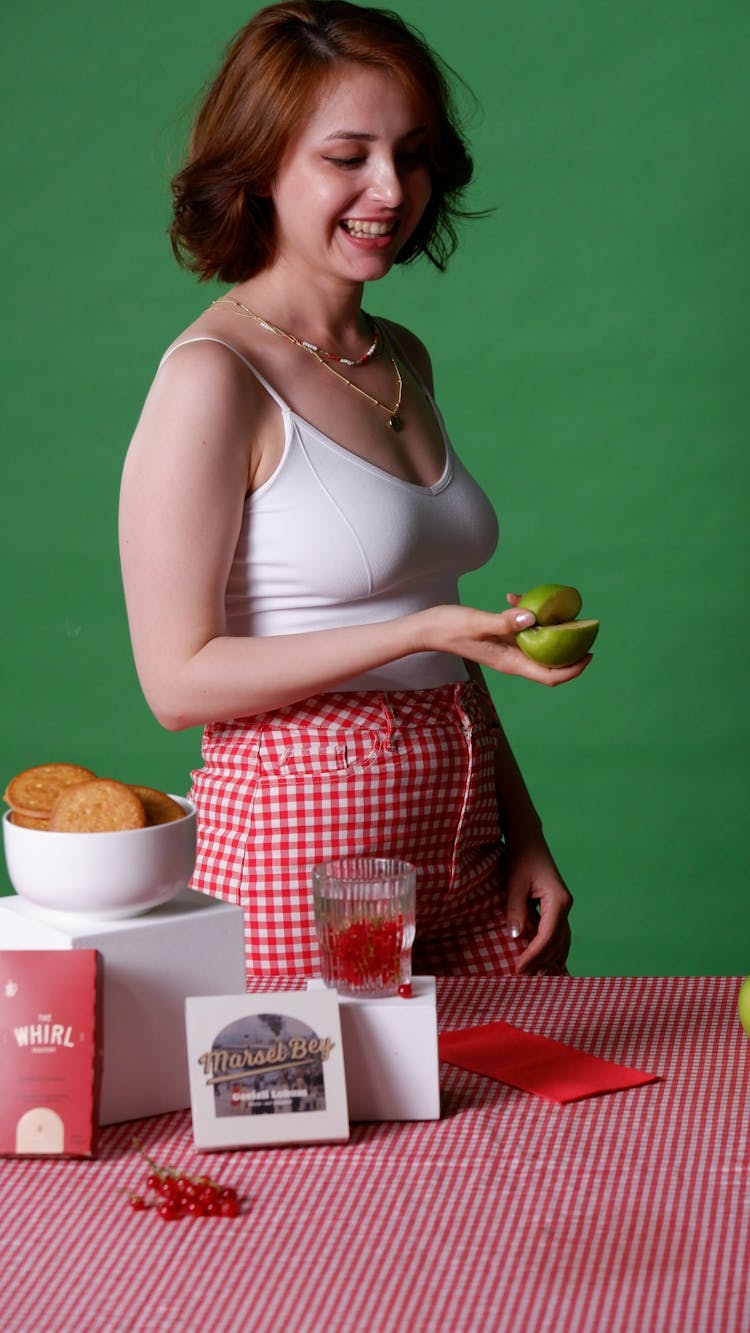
[358,227]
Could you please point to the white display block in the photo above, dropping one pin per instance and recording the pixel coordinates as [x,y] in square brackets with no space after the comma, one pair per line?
[391,1054]
[192,945]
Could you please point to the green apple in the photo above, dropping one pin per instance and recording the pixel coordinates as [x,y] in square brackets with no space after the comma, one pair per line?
[558,645]
[743,1005]
[557,639]
[552,603]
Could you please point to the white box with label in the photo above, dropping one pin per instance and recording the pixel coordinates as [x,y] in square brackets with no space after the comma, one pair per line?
[391,1054]
[192,945]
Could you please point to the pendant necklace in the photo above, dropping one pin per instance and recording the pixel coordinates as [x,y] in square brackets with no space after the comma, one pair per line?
[395,422]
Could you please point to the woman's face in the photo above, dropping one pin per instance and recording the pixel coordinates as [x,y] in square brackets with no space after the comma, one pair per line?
[354,182]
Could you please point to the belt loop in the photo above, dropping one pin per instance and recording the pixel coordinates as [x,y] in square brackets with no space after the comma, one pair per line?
[389,724]
[461,705]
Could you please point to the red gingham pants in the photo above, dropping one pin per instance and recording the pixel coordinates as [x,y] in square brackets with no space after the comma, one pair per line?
[405,773]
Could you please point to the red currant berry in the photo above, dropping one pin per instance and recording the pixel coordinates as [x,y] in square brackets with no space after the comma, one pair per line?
[229,1207]
[405,990]
[153,1181]
[137,1202]
[168,1211]
[196,1208]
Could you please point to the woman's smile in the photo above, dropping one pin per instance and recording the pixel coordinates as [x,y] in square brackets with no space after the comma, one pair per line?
[369,234]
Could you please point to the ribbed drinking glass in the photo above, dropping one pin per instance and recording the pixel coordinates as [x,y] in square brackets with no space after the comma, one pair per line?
[364,915]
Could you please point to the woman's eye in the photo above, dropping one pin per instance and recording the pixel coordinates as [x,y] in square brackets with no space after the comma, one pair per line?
[414,157]
[345,163]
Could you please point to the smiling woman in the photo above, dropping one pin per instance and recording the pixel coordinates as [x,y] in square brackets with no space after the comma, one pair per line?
[294,519]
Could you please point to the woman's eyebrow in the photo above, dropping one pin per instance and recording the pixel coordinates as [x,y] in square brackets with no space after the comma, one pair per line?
[350,134]
[364,136]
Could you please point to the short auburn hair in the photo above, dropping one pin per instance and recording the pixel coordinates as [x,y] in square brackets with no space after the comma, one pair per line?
[223,218]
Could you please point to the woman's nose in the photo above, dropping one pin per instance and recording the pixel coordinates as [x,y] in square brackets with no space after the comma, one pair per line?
[385,184]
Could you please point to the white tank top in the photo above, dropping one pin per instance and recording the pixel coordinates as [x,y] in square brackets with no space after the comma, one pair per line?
[330,540]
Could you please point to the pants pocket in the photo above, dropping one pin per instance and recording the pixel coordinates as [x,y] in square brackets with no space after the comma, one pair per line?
[285,753]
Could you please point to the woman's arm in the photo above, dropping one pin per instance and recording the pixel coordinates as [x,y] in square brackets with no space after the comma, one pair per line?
[184,484]
[530,871]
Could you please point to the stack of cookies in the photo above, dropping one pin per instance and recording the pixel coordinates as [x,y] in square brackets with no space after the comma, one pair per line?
[66,798]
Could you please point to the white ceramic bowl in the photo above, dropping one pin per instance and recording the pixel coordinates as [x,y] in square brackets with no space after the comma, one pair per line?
[101,876]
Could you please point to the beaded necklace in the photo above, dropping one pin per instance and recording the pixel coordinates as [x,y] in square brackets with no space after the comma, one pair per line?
[395,422]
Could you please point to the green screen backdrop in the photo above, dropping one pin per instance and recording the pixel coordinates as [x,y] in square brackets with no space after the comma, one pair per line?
[590,343]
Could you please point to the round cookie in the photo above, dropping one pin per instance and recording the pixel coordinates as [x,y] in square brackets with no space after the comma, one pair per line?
[160,808]
[99,806]
[28,821]
[35,790]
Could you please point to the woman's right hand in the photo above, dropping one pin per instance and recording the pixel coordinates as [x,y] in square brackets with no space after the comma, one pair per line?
[489,638]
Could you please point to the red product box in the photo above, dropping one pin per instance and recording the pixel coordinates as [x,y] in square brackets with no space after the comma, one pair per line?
[50,1056]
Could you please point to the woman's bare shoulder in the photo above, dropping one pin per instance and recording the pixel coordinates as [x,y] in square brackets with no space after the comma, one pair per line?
[413,349]
[203,351]
[202,376]
[204,390]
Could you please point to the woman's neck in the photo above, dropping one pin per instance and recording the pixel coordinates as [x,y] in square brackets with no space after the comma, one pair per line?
[325,314]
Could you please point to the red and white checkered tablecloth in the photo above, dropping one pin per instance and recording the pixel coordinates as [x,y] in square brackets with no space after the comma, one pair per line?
[629,1211]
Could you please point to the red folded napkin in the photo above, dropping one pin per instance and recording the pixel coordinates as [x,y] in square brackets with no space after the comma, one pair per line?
[535,1064]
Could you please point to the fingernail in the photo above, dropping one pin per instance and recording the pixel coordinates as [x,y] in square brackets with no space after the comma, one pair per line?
[513,930]
[524,618]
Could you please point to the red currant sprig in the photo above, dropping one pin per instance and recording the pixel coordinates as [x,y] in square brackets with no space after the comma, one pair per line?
[174,1194]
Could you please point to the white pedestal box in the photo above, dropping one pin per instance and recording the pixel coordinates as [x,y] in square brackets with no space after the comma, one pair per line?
[192,945]
[391,1054]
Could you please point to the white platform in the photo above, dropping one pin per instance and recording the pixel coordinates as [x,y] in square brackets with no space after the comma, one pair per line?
[391,1054]
[193,945]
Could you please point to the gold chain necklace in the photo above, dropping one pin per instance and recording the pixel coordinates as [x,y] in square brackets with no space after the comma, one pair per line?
[395,422]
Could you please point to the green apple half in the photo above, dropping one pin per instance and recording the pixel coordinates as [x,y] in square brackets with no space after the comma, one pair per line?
[557,639]
[743,1005]
[552,603]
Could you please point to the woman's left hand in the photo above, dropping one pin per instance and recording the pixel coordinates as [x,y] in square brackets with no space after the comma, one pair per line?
[533,880]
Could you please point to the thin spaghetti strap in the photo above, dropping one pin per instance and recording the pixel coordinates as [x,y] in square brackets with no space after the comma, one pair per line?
[385,327]
[208,338]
